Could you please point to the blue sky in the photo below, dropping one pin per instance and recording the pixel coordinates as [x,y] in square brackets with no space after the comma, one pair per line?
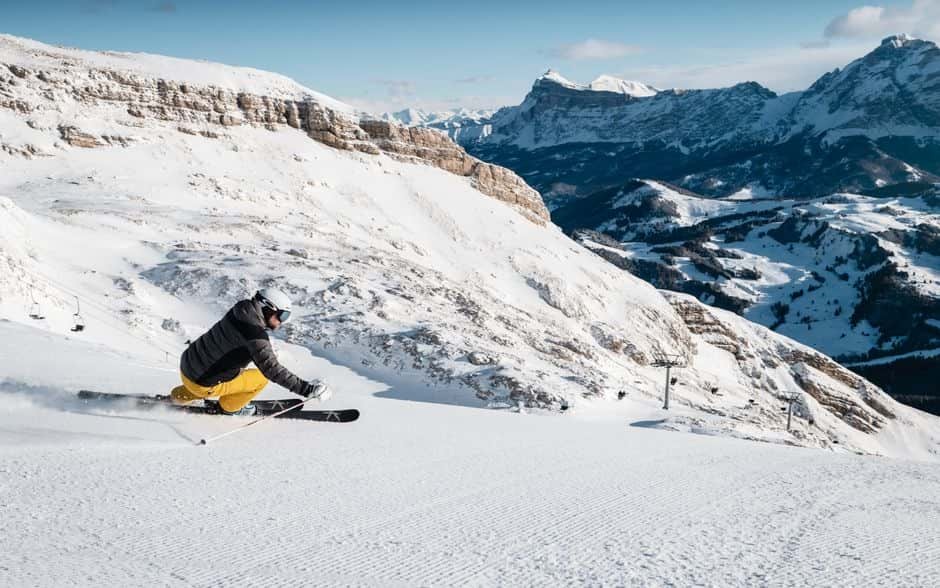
[388,55]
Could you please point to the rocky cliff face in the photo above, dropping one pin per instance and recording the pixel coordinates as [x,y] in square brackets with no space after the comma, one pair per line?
[865,411]
[53,82]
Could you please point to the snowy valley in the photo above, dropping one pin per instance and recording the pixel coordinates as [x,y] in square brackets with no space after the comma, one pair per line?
[486,349]
[853,276]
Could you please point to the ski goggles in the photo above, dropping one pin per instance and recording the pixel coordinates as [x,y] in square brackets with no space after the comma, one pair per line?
[282,315]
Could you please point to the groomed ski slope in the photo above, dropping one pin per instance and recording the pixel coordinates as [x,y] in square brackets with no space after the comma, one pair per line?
[420,494]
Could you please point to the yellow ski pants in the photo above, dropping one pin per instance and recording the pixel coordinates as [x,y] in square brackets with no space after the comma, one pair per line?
[233,395]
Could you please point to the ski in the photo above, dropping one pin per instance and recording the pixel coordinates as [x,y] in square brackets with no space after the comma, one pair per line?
[262,407]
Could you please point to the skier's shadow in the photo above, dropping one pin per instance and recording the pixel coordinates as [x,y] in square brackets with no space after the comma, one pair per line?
[432,395]
[649,424]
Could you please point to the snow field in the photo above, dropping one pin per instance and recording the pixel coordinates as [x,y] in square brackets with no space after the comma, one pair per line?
[428,494]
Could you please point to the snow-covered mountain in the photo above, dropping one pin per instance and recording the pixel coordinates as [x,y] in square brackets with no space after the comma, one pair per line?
[874,123]
[604,83]
[454,123]
[150,201]
[417,117]
[856,277]
[894,91]
[472,126]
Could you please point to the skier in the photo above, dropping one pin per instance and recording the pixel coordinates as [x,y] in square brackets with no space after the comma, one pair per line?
[214,364]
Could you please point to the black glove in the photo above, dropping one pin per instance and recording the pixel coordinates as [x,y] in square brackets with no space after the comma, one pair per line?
[314,389]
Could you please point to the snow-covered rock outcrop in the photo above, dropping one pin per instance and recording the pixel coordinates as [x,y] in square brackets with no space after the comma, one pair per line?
[160,201]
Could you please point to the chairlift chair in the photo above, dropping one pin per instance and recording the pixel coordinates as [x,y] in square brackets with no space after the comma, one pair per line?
[35,311]
[79,325]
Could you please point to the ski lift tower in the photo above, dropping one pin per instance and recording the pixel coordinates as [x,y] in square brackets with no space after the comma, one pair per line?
[790,398]
[668,361]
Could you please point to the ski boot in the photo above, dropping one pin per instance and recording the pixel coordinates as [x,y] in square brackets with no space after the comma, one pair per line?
[213,407]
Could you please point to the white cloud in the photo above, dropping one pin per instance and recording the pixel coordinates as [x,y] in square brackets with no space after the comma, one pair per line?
[475,80]
[782,70]
[865,21]
[398,88]
[920,19]
[593,49]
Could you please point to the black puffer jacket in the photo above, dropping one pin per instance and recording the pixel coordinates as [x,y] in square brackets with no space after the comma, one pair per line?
[230,345]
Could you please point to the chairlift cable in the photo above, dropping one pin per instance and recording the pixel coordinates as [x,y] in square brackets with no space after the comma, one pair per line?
[105,315]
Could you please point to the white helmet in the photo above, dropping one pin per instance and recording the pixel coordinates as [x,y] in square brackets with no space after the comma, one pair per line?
[275,300]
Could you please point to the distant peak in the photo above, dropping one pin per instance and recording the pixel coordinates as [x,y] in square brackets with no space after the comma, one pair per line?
[604,83]
[554,77]
[753,88]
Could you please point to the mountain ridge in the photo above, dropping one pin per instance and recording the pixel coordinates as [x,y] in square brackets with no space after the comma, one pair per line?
[154,87]
[873,123]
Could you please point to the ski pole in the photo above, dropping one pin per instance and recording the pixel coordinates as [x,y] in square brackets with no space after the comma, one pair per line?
[255,422]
